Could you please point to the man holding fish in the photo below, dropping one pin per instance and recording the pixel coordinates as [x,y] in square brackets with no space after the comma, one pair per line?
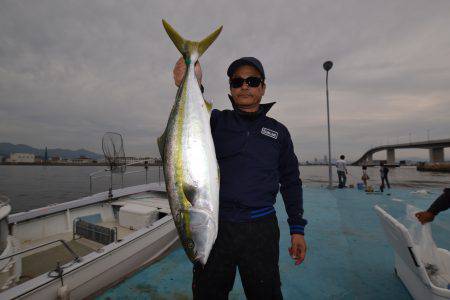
[256,159]
[255,155]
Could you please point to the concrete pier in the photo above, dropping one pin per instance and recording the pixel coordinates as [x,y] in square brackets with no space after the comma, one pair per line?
[437,155]
[390,156]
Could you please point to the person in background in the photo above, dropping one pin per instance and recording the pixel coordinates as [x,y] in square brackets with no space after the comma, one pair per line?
[384,176]
[341,167]
[365,177]
[440,204]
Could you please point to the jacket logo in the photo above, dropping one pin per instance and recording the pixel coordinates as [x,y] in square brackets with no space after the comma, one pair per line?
[269,132]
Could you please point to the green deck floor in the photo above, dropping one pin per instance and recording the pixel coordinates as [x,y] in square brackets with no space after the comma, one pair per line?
[348,255]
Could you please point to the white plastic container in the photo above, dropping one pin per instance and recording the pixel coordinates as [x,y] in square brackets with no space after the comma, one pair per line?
[407,265]
[134,216]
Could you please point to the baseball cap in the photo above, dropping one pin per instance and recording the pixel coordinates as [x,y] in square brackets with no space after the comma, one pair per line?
[251,61]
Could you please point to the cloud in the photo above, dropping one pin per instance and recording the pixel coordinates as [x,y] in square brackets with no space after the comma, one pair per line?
[72,70]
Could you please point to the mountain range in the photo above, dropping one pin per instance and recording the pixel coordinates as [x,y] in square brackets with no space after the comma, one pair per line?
[7,148]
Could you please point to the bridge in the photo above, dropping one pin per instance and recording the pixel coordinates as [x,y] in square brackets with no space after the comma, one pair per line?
[435,147]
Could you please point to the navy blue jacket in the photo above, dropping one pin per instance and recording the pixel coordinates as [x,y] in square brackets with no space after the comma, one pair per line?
[256,160]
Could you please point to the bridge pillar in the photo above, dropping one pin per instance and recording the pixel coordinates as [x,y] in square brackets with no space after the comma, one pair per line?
[390,157]
[437,154]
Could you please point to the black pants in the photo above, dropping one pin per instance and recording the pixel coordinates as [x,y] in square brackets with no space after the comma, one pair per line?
[342,178]
[253,248]
[383,179]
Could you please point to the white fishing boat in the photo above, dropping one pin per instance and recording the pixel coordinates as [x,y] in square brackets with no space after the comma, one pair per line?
[74,250]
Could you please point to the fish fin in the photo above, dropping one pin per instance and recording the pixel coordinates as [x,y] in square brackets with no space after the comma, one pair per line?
[161,144]
[176,38]
[218,173]
[208,104]
[187,47]
[190,192]
[206,42]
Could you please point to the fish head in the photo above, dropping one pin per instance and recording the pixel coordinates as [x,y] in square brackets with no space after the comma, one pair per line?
[203,233]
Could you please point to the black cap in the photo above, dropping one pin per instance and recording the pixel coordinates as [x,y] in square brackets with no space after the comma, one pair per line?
[250,61]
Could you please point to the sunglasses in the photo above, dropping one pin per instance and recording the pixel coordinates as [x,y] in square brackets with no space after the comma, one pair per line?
[237,82]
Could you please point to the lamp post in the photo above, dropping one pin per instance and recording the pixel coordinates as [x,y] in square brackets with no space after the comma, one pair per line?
[327,67]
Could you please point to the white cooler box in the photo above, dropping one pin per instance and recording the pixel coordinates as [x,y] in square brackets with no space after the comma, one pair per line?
[409,268]
[136,216]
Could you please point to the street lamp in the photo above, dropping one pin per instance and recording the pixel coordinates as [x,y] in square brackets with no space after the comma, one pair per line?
[327,67]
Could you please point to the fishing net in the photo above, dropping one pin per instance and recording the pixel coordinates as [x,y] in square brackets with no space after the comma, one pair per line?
[112,145]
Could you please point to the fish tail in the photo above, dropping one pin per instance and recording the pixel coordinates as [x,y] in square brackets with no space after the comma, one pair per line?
[188,48]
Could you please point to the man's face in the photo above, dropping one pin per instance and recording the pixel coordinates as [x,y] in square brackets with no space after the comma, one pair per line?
[247,98]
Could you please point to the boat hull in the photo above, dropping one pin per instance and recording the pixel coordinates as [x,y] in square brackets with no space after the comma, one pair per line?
[101,269]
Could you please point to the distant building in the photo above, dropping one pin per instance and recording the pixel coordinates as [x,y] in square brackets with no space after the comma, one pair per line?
[131,159]
[82,160]
[21,157]
[55,158]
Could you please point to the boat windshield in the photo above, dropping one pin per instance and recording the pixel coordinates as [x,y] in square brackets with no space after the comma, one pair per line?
[3,234]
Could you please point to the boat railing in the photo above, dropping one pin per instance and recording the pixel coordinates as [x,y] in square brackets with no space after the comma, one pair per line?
[72,252]
[140,163]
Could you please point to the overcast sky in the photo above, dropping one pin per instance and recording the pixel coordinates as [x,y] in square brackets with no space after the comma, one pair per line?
[72,70]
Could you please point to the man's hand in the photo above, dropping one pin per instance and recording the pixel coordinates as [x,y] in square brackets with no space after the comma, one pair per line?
[298,248]
[180,69]
[425,217]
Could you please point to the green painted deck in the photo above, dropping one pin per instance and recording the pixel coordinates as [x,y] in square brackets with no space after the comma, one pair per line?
[348,255]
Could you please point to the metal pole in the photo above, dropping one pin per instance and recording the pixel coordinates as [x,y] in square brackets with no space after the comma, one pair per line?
[110,195]
[330,174]
[146,171]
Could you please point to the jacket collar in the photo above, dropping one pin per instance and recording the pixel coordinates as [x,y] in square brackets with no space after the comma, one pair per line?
[264,107]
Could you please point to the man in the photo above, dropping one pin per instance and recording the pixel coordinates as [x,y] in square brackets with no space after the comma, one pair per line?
[256,156]
[440,204]
[341,171]
[384,176]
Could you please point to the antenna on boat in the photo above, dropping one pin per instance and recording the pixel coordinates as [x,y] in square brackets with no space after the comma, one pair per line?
[112,146]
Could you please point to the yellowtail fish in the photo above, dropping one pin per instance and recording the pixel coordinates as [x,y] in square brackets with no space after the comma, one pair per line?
[190,166]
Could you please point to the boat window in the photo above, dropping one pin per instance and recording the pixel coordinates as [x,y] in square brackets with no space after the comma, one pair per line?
[3,234]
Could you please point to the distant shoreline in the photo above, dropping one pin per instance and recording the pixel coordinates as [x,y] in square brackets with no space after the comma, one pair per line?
[70,164]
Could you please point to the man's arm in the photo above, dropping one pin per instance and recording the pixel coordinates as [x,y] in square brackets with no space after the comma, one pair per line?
[292,192]
[440,204]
